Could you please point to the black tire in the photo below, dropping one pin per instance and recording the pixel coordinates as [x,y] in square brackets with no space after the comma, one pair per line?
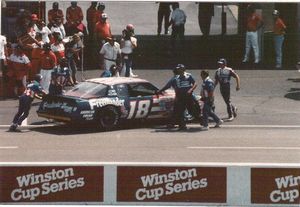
[109,118]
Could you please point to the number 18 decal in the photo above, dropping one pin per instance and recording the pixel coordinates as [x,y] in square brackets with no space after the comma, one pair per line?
[139,109]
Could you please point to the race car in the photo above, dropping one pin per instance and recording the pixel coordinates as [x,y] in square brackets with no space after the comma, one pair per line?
[107,101]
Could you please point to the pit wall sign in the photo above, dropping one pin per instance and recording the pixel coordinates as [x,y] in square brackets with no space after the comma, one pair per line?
[51,184]
[171,184]
[275,186]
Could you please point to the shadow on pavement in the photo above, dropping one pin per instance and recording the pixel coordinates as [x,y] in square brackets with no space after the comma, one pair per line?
[293,93]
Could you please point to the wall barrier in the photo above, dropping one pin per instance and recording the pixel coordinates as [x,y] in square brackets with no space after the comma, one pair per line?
[150,184]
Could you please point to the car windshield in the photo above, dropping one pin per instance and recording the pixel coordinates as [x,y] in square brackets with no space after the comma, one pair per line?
[88,90]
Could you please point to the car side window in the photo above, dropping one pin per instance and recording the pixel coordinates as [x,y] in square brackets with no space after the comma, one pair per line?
[142,89]
[122,90]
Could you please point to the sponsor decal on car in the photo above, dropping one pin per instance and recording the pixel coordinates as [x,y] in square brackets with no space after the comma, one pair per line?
[61,105]
[88,114]
[36,184]
[275,186]
[98,103]
[171,184]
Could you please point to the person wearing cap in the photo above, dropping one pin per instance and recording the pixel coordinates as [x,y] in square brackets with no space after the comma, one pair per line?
[254,22]
[44,30]
[110,54]
[91,18]
[74,17]
[18,67]
[223,76]
[48,62]
[163,13]
[279,29]
[102,30]
[33,89]
[128,44]
[207,96]
[100,10]
[112,72]
[72,52]
[55,13]
[184,85]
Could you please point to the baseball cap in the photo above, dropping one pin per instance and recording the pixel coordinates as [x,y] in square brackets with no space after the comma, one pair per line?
[222,61]
[34,17]
[275,12]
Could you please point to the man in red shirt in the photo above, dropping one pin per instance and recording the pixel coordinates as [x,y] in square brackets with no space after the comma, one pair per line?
[254,22]
[102,30]
[74,18]
[55,13]
[18,68]
[279,31]
[91,18]
[48,62]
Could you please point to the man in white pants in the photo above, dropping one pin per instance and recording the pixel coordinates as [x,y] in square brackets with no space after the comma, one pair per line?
[254,22]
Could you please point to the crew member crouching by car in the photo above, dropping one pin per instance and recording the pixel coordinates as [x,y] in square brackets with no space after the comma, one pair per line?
[33,89]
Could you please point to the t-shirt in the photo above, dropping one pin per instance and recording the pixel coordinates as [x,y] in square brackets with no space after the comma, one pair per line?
[33,88]
[2,46]
[110,52]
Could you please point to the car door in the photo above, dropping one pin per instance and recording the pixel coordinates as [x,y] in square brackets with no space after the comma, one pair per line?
[140,100]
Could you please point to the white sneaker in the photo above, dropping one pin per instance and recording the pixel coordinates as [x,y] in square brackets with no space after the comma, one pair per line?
[219,123]
[230,118]
[204,128]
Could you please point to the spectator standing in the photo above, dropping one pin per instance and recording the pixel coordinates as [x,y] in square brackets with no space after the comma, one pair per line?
[18,67]
[128,44]
[74,17]
[207,96]
[205,14]
[48,62]
[100,11]
[44,30]
[254,22]
[110,54]
[36,50]
[163,14]
[279,32]
[34,89]
[58,27]
[91,18]
[102,30]
[178,19]
[73,51]
[55,13]
[223,75]
[3,61]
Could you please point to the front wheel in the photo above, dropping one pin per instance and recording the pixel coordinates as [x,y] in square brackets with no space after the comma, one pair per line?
[109,118]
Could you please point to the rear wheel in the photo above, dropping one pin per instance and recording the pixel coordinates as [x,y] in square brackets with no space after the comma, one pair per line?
[109,118]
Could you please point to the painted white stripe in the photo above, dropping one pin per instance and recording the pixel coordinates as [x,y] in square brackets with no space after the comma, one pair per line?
[248,148]
[9,147]
[220,164]
[252,126]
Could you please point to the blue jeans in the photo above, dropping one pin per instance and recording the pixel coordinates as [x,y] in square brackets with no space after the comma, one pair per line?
[207,111]
[278,41]
[24,108]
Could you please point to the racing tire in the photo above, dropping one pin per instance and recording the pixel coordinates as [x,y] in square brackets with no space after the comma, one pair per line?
[109,118]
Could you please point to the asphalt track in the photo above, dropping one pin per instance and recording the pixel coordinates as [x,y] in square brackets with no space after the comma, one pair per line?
[266,130]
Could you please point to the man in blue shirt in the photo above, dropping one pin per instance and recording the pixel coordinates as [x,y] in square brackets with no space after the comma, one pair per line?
[207,96]
[184,85]
[33,89]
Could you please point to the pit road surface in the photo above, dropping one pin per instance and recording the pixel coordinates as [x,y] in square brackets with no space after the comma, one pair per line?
[266,130]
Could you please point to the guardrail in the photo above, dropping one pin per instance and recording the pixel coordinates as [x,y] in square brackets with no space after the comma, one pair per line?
[239,184]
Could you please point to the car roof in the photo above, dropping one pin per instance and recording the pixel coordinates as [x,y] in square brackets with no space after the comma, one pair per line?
[117,80]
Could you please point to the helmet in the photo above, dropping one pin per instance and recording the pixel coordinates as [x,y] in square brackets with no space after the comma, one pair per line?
[130,27]
[38,77]
[276,12]
[74,3]
[180,67]
[222,61]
